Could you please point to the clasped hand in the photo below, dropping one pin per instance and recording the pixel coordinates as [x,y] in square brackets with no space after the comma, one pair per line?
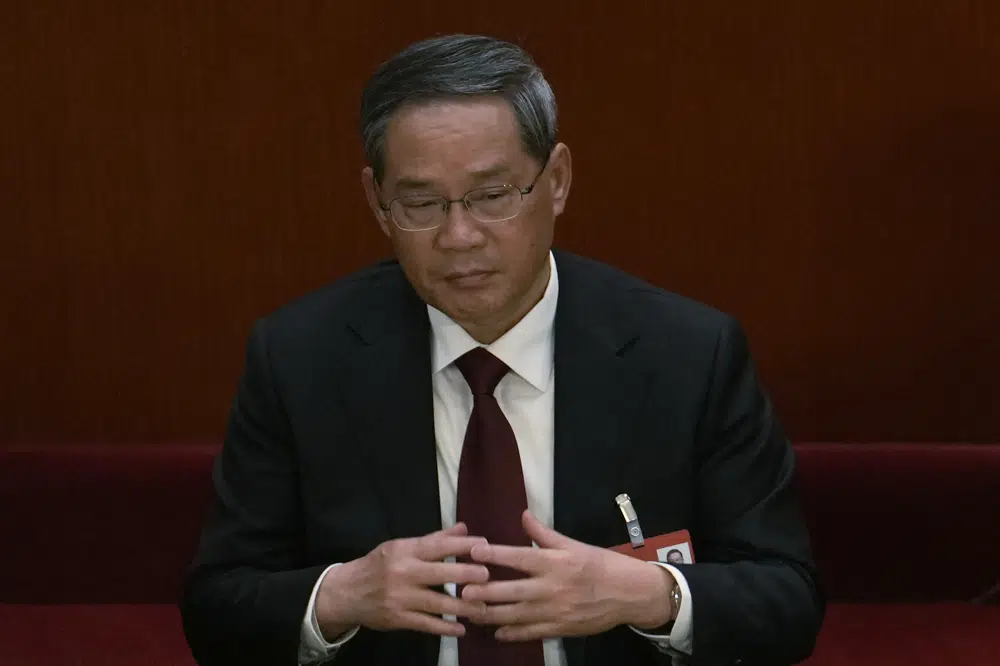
[570,588]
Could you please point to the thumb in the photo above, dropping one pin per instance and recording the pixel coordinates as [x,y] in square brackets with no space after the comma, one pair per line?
[545,537]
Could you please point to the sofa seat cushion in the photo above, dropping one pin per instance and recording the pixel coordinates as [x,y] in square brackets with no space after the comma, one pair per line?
[911,634]
[853,635]
[92,635]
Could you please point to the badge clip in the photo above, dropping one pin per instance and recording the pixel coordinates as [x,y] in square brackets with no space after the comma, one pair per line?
[631,520]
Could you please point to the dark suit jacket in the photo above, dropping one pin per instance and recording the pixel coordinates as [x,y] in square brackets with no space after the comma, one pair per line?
[330,450]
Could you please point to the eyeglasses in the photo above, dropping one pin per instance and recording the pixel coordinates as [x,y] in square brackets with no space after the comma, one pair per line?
[423,212]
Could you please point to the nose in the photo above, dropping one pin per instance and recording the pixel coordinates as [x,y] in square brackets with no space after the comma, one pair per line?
[460,231]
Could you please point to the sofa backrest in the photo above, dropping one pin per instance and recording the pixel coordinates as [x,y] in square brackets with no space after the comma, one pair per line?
[83,523]
[889,522]
[903,522]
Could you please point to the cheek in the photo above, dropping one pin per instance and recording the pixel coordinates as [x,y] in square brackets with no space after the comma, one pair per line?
[414,256]
[523,244]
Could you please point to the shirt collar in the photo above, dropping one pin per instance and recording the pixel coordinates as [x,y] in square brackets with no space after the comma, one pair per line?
[526,348]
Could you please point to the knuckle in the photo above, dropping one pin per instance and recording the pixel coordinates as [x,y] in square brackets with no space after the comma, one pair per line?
[581,567]
[459,608]
[397,568]
[387,552]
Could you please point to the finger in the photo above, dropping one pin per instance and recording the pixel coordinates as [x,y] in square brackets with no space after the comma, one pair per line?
[516,613]
[428,624]
[436,603]
[523,558]
[458,529]
[507,591]
[436,547]
[439,573]
[544,536]
[531,632]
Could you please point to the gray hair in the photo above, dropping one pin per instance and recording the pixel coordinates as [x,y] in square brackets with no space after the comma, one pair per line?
[457,66]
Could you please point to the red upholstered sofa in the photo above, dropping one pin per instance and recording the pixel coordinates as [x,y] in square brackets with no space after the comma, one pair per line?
[95,540]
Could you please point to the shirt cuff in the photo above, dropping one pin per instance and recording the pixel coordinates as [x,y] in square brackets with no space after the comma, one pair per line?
[680,637]
[313,648]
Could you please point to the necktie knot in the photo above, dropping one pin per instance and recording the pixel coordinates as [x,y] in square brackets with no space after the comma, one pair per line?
[482,370]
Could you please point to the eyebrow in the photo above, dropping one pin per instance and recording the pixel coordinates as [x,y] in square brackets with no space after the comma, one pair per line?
[478,175]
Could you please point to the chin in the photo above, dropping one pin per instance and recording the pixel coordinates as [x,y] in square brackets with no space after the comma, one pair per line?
[470,307]
[464,311]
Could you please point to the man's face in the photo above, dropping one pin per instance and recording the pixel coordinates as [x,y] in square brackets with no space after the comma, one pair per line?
[485,276]
[674,557]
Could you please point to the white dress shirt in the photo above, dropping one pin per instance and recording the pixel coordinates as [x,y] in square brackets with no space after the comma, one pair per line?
[525,396]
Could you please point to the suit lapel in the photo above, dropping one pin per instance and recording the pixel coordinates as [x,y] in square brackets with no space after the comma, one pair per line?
[391,396]
[598,393]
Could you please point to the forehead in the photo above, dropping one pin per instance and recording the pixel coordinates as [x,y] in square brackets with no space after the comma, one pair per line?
[436,140]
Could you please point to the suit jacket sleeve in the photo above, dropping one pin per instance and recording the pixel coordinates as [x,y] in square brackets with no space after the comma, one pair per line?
[754,591]
[246,593]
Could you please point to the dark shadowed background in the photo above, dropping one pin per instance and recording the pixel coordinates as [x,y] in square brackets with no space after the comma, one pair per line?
[827,171]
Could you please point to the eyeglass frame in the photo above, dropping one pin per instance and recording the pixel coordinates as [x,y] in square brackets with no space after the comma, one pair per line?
[464,200]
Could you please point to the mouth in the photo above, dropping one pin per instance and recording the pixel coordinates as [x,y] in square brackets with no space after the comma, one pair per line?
[473,278]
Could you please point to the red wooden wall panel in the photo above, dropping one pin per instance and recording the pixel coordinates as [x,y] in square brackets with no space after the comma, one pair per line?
[827,171]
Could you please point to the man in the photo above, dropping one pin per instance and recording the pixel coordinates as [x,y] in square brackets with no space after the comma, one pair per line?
[423,459]
[675,556]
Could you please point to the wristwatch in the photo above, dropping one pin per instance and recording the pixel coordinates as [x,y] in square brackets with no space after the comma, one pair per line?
[676,598]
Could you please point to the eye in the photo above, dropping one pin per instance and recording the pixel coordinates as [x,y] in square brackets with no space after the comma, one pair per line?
[490,194]
[420,202]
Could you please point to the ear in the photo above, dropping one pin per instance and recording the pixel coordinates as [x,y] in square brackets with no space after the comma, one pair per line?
[560,177]
[372,194]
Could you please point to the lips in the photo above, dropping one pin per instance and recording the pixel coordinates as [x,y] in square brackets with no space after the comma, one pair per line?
[454,275]
[468,278]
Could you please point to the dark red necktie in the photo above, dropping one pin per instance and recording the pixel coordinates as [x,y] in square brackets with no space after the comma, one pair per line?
[491,499]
